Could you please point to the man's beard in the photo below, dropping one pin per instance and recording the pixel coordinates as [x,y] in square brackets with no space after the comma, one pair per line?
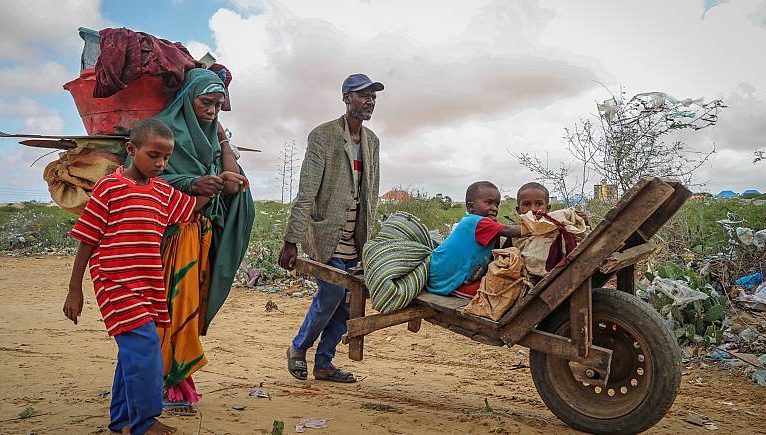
[360,115]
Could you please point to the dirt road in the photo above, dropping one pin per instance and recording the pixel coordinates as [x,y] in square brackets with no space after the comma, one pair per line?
[432,382]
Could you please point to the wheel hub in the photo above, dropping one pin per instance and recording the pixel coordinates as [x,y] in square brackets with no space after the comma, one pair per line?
[628,382]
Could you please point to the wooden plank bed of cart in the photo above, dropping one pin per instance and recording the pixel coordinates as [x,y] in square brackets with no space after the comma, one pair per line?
[601,359]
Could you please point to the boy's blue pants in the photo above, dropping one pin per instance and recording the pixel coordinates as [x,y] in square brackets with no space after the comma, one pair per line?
[137,387]
[327,316]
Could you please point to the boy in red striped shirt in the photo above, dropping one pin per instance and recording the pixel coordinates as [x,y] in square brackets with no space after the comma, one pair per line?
[120,233]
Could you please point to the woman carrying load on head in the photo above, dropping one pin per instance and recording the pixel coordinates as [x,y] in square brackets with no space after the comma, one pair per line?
[199,258]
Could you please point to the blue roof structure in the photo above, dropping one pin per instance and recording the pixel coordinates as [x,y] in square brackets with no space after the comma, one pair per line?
[726,194]
[751,192]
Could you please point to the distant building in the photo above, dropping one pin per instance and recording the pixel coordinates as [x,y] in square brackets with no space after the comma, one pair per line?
[750,193]
[395,195]
[727,194]
[700,196]
[605,192]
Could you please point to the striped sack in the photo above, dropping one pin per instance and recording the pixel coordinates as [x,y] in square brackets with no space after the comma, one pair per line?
[396,262]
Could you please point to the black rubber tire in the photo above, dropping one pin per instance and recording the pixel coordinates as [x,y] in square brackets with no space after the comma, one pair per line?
[656,348]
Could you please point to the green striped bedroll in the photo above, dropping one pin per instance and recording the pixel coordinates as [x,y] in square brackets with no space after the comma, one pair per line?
[396,262]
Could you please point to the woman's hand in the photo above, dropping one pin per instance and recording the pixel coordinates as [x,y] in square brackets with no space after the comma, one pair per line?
[232,181]
[207,185]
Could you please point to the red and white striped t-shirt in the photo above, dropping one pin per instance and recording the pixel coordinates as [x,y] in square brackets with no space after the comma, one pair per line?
[125,223]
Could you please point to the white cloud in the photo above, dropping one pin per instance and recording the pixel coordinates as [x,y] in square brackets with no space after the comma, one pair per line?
[43,78]
[197,49]
[18,179]
[31,28]
[35,118]
[732,170]
[444,76]
[21,179]
[665,46]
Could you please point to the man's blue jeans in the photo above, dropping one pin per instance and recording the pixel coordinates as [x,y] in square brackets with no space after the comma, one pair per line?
[327,316]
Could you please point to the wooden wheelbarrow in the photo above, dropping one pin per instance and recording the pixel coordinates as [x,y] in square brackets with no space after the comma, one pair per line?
[601,359]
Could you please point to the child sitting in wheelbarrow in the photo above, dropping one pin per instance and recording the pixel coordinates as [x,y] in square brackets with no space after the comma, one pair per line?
[458,264]
[552,235]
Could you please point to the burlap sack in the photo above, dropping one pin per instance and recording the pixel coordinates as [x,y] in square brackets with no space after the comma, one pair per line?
[536,246]
[71,178]
[501,287]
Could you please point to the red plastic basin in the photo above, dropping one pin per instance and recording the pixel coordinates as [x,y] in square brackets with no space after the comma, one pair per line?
[141,99]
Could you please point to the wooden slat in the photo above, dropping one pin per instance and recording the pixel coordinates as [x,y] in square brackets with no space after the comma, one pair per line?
[42,136]
[630,256]
[414,325]
[666,210]
[562,347]
[362,326]
[601,247]
[54,144]
[330,274]
[581,268]
[580,319]
[444,304]
[454,305]
[466,327]
[628,197]
[559,346]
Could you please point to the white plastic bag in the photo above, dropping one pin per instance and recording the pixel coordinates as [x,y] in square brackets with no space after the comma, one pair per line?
[677,290]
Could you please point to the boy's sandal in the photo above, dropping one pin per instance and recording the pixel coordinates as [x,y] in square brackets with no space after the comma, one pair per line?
[181,410]
[337,375]
[296,365]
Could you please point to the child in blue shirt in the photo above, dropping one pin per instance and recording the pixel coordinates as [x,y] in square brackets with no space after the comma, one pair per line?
[458,264]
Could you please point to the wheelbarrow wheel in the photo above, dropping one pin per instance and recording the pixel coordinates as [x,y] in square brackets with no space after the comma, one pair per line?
[645,372]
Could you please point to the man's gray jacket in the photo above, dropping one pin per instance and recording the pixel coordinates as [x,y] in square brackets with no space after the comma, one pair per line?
[326,190]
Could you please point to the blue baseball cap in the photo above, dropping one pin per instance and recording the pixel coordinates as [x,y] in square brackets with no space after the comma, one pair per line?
[359,82]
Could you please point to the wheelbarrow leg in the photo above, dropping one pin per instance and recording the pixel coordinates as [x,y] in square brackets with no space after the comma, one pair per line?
[581,318]
[626,279]
[357,298]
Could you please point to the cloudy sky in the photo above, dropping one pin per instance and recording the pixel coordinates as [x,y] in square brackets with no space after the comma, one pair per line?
[468,83]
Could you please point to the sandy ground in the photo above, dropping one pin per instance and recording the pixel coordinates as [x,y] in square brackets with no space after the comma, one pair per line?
[434,381]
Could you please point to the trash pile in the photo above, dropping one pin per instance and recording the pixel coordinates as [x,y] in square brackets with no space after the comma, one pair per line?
[693,309]
[712,306]
[259,271]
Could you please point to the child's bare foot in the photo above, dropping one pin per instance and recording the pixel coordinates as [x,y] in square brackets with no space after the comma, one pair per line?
[161,429]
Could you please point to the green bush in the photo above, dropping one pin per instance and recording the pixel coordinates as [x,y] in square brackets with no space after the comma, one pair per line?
[434,215]
[694,227]
[34,228]
[266,239]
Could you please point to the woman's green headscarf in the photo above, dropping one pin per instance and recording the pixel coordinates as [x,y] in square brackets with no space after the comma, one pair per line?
[197,153]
